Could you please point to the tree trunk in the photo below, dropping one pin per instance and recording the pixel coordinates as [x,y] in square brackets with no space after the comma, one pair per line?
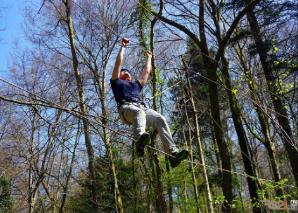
[210,67]
[278,103]
[199,143]
[66,186]
[193,175]
[83,108]
[160,200]
[106,133]
[265,128]
[218,132]
[243,141]
[31,191]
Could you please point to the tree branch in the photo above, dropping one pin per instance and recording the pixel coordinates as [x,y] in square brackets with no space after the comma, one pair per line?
[233,26]
[178,26]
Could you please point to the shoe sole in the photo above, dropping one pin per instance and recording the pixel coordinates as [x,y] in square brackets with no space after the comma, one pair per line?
[184,155]
[177,160]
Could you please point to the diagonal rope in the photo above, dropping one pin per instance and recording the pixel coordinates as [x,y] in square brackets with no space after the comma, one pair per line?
[86,117]
[221,169]
[91,119]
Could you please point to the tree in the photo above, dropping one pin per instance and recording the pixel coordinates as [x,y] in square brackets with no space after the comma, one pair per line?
[5,195]
[278,102]
[211,66]
[216,101]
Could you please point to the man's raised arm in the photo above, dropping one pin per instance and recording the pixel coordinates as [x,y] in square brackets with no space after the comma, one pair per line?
[119,59]
[143,77]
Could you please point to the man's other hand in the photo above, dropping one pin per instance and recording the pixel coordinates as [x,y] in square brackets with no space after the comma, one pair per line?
[124,42]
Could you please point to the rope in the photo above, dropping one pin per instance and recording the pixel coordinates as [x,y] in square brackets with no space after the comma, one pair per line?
[221,169]
[76,113]
[288,140]
[130,137]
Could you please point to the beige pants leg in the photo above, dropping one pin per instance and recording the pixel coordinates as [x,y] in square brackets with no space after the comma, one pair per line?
[140,117]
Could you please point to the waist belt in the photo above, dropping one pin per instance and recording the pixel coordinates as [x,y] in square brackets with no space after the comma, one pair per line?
[131,101]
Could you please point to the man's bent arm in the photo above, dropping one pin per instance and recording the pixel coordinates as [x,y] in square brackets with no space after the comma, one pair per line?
[143,77]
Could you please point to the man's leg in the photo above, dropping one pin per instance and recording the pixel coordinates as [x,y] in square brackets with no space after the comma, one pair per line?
[158,122]
[136,116]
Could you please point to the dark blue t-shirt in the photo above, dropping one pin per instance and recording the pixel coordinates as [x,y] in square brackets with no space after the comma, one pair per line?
[126,91]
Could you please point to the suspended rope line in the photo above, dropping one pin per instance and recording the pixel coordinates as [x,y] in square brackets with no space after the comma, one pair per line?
[78,114]
[221,169]
[84,116]
[288,140]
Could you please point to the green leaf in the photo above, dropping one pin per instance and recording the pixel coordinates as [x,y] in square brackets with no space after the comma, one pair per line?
[234,91]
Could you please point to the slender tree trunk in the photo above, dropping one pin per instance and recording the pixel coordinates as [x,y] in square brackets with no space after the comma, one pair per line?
[160,200]
[278,103]
[199,143]
[169,182]
[243,141]
[66,186]
[83,107]
[218,132]
[31,191]
[265,128]
[193,175]
[106,133]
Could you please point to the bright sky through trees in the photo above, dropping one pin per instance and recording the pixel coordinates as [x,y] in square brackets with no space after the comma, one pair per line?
[11,30]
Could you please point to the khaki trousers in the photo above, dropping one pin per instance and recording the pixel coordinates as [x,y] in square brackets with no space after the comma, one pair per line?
[140,117]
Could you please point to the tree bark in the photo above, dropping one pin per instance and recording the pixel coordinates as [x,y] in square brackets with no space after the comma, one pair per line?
[278,103]
[82,105]
[263,120]
[106,133]
[160,199]
[193,175]
[243,141]
[31,191]
[199,143]
[211,67]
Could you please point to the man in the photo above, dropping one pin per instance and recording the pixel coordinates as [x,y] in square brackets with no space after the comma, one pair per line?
[133,111]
